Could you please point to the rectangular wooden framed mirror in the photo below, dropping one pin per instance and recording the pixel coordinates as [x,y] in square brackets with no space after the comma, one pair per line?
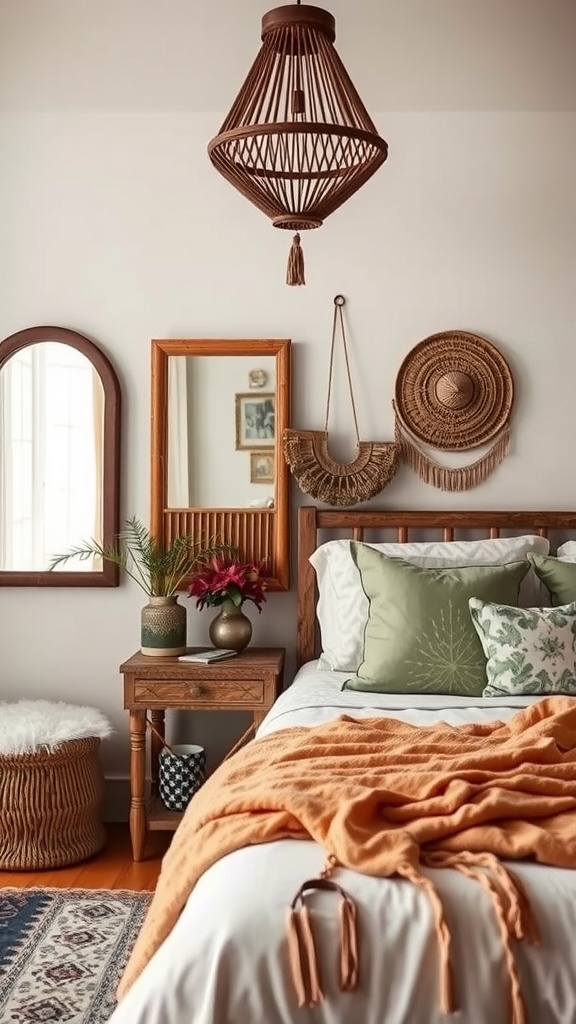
[219,409]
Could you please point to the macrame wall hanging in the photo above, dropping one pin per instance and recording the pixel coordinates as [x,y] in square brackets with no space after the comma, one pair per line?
[454,392]
[316,472]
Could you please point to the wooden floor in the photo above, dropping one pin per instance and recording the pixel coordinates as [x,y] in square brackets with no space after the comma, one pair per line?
[111,869]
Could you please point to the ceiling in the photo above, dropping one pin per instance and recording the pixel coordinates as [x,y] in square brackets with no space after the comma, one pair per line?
[183,55]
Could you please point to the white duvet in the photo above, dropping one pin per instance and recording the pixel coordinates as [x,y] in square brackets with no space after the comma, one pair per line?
[225,962]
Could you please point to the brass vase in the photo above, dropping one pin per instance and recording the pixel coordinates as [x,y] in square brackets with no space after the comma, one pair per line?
[163,627]
[231,629]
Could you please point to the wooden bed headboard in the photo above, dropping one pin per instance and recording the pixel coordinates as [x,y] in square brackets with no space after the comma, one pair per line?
[318,525]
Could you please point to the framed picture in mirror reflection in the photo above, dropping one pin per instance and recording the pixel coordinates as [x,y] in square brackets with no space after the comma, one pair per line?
[255,420]
[261,467]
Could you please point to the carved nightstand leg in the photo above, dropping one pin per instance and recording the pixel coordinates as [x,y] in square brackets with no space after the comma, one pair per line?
[137,783]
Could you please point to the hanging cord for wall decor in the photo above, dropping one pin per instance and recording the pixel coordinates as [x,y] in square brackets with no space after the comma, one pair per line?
[306,451]
[339,303]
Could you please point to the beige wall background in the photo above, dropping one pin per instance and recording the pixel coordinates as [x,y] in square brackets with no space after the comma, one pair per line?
[115,224]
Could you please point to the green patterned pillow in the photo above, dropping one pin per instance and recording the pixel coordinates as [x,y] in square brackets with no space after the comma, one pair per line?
[529,650]
[419,636]
[558,576]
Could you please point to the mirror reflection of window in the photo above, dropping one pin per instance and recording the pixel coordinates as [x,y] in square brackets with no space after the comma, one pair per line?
[179,495]
[51,424]
[205,467]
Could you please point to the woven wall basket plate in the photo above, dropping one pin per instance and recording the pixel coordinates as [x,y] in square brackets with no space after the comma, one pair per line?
[454,391]
[317,474]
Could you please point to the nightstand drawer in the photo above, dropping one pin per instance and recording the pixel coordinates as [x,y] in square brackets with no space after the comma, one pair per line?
[240,693]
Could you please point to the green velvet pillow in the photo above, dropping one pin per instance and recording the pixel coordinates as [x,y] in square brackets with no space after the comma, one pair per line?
[419,637]
[559,577]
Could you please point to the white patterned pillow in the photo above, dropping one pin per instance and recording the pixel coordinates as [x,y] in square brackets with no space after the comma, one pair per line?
[342,608]
[528,650]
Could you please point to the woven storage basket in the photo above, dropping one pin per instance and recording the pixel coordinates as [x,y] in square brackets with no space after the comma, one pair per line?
[50,804]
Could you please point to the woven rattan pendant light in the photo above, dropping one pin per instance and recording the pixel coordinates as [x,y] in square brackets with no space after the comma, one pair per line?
[298,141]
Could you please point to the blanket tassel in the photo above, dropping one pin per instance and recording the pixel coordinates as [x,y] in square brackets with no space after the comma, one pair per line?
[301,948]
[348,945]
[303,961]
[511,906]
[446,981]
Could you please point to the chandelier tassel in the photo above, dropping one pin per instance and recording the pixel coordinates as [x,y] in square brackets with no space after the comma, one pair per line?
[295,269]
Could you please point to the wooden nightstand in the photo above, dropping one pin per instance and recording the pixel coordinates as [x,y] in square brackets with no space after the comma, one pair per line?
[251,681]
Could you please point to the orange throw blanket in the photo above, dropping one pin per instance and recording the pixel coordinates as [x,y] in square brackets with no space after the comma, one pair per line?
[383,797]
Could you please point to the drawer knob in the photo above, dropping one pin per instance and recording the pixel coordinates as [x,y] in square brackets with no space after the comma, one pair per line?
[194,690]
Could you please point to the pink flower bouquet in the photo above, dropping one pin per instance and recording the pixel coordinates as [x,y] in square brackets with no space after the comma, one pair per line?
[228,580]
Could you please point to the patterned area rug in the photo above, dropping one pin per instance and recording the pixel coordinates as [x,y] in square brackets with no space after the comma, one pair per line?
[62,952]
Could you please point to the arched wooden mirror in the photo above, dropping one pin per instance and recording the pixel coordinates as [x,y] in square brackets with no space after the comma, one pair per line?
[219,408]
[59,457]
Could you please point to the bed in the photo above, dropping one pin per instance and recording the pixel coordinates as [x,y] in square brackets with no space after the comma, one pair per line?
[226,958]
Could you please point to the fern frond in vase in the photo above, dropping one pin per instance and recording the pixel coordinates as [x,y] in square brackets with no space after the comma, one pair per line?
[159,571]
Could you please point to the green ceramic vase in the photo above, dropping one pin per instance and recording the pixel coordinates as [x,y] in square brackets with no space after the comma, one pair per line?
[163,627]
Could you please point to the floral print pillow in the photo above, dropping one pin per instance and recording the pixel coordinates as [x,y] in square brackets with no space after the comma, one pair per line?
[528,650]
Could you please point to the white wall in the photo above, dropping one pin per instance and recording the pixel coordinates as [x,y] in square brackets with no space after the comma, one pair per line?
[115,224]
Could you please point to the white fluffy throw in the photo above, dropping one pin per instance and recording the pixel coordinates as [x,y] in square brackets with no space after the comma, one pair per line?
[29,724]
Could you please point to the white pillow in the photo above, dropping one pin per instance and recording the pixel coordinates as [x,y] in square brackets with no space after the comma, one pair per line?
[342,608]
[567,552]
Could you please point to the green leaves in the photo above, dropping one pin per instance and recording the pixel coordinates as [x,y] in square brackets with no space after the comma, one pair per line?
[157,570]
